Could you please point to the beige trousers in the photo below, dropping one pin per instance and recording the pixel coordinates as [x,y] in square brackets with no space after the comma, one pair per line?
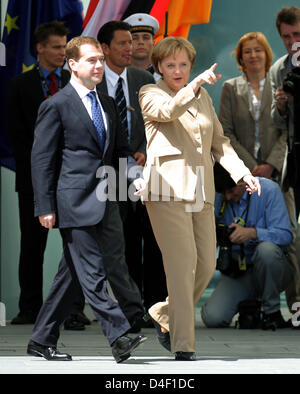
[188,245]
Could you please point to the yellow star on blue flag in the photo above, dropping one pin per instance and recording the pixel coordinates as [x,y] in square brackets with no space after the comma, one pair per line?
[10,23]
[22,18]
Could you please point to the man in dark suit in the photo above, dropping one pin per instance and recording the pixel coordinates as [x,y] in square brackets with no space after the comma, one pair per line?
[77,141]
[25,94]
[143,256]
[50,42]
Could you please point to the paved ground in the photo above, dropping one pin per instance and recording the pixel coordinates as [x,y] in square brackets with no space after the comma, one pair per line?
[219,351]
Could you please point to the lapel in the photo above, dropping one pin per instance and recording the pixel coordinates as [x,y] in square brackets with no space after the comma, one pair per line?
[243,92]
[285,67]
[133,97]
[65,77]
[34,89]
[132,88]
[80,110]
[266,98]
[192,110]
[102,86]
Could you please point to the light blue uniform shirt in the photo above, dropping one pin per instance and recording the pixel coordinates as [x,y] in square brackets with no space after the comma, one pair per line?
[267,214]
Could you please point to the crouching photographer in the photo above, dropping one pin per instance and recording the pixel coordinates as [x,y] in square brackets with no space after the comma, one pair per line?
[253,233]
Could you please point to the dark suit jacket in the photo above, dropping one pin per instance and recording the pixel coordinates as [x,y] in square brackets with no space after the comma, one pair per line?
[25,94]
[136,78]
[66,157]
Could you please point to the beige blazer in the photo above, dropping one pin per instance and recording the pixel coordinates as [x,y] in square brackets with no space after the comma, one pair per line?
[238,121]
[183,135]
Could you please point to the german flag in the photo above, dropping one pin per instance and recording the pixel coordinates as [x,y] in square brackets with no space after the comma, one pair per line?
[175,17]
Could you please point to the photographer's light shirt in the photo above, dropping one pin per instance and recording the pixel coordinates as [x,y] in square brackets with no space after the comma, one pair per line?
[267,214]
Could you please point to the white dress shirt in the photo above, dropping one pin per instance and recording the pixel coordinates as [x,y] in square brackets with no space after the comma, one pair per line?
[87,102]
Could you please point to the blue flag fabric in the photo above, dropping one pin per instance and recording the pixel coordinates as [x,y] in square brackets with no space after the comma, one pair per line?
[22,17]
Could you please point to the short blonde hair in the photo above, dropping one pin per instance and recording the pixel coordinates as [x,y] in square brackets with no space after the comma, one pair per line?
[171,46]
[261,39]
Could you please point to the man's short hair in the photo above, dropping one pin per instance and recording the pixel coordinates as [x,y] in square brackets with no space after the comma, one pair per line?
[223,180]
[73,46]
[290,16]
[45,30]
[107,31]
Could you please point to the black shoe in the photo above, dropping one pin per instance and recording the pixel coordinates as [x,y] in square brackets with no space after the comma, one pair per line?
[26,317]
[273,321]
[83,319]
[163,338]
[123,346]
[48,352]
[185,356]
[72,323]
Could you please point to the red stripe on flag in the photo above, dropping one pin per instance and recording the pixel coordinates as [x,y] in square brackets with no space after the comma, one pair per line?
[159,10]
[91,8]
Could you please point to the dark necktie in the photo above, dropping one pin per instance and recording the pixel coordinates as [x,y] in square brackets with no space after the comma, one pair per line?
[121,103]
[98,120]
[53,88]
[150,69]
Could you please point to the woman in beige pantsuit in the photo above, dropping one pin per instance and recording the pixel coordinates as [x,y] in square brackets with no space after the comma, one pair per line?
[183,133]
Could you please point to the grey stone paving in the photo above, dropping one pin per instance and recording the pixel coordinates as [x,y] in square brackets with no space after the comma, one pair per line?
[229,351]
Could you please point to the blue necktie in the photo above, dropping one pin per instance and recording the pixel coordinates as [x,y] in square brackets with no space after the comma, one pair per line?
[98,120]
[121,103]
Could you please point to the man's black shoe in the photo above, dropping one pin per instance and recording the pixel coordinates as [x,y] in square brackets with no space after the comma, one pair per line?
[273,321]
[123,346]
[72,323]
[80,316]
[185,356]
[163,338]
[48,352]
[26,317]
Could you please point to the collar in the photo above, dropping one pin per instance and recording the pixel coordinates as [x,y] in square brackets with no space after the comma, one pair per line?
[46,73]
[114,77]
[244,197]
[162,85]
[80,89]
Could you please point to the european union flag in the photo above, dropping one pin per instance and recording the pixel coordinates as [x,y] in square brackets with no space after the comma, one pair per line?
[22,17]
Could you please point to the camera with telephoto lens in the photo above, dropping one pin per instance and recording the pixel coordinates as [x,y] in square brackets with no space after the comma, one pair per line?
[224,261]
[291,83]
